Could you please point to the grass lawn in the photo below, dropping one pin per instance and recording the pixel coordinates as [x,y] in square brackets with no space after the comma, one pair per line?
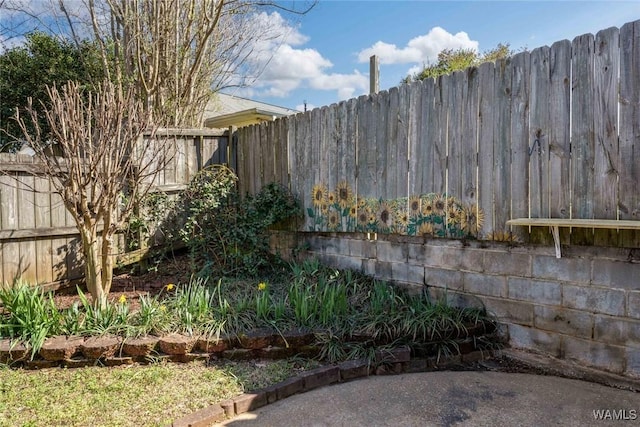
[149,395]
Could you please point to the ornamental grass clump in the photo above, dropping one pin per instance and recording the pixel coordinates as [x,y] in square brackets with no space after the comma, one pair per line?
[28,315]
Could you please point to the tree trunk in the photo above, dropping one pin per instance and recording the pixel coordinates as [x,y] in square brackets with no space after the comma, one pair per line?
[93,266]
[107,262]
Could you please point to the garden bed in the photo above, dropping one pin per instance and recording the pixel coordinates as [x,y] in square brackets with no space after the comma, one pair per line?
[77,351]
[312,311]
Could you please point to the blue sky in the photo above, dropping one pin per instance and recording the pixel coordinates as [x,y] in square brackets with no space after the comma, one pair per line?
[324,58]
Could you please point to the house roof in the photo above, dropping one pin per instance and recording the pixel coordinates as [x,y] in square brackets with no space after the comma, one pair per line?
[228,110]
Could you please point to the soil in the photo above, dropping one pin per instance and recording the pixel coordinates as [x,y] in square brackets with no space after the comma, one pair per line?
[132,284]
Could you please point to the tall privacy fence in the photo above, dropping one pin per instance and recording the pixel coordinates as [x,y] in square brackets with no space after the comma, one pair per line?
[38,238]
[551,133]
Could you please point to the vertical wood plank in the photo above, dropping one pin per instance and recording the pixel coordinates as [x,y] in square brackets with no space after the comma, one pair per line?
[582,139]
[455,83]
[414,138]
[42,202]
[605,127]
[191,148]
[329,168]
[171,147]
[392,141]
[382,143]
[11,265]
[44,266]
[280,149]
[253,154]
[469,140]
[559,128]
[74,259]
[44,263]
[8,199]
[306,175]
[439,129]
[27,266]
[539,134]
[485,147]
[502,141]
[403,124]
[266,156]
[367,171]
[348,148]
[455,111]
[629,199]
[520,94]
[181,161]
[9,214]
[240,169]
[59,258]
[424,148]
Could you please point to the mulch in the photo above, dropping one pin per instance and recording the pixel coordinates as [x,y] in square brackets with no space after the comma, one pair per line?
[134,284]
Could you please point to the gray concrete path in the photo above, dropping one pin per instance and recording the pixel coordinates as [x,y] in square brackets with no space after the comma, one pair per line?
[452,399]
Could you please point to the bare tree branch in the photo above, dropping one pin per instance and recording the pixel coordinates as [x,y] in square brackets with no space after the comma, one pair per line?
[99,163]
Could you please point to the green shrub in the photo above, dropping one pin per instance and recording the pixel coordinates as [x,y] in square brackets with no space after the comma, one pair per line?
[226,234]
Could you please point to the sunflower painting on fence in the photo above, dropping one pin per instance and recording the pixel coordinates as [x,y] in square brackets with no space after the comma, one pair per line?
[431,214]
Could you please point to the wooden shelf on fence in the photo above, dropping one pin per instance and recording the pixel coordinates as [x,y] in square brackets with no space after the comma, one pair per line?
[555,223]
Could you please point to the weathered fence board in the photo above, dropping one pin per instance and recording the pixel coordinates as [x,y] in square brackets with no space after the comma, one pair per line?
[539,134]
[629,202]
[519,136]
[605,125]
[486,100]
[559,136]
[454,84]
[422,143]
[38,238]
[548,133]
[501,151]
[582,141]
[440,142]
[469,139]
[413,137]
[368,174]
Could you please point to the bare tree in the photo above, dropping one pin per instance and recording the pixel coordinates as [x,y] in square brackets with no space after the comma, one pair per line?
[176,53]
[99,163]
[171,56]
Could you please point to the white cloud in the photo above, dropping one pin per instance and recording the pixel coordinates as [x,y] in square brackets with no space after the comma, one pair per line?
[346,84]
[419,50]
[285,65]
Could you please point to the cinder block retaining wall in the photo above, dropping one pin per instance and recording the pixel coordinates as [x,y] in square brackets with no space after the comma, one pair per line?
[583,307]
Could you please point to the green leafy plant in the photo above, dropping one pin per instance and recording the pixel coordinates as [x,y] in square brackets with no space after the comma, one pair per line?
[152,317]
[97,319]
[191,306]
[226,234]
[29,315]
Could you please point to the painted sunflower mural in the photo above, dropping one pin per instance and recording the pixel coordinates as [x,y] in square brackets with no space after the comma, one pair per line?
[437,215]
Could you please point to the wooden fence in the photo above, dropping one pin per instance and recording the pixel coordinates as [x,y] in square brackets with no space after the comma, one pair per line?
[38,237]
[554,132]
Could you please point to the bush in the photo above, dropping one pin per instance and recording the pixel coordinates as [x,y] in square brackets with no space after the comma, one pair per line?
[227,234]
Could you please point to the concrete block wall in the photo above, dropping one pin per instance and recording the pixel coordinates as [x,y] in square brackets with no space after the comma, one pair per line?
[583,307]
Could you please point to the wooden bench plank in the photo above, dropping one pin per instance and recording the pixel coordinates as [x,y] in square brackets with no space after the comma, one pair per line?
[555,223]
[578,223]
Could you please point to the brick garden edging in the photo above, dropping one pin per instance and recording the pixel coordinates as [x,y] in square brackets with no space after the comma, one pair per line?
[395,361]
[74,351]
